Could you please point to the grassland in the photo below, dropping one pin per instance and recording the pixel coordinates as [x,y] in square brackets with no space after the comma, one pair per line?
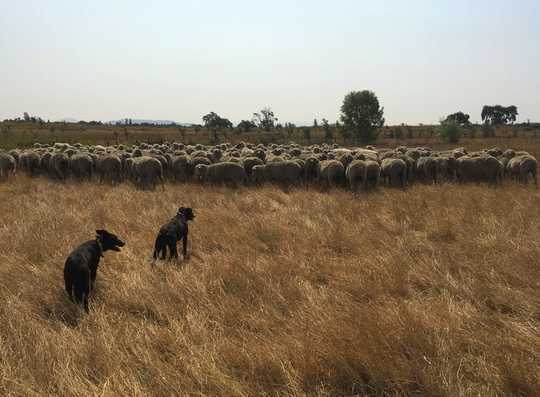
[429,291]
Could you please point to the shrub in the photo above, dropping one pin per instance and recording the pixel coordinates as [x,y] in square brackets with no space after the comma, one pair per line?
[450,131]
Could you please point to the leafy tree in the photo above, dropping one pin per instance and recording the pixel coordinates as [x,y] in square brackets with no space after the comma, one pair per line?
[265,119]
[26,116]
[246,125]
[459,118]
[328,134]
[496,115]
[214,122]
[362,116]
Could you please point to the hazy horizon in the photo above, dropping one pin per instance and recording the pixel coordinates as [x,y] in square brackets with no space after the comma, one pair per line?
[180,60]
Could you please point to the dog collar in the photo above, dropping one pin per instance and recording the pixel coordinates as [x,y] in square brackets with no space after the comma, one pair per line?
[100,246]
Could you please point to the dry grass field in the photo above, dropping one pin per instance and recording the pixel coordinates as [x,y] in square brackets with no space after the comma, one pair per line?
[430,291]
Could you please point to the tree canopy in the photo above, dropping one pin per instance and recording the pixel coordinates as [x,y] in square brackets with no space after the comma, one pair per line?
[498,114]
[265,119]
[213,121]
[362,115]
[459,118]
[246,125]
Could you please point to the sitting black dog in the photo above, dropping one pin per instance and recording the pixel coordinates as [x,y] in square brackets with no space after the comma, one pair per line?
[173,231]
[81,265]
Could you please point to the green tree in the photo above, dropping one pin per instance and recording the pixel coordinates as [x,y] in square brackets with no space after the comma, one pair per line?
[362,116]
[459,118]
[214,122]
[246,125]
[265,119]
[498,114]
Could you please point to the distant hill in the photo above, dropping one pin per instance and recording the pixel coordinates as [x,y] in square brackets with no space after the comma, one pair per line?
[133,121]
[154,122]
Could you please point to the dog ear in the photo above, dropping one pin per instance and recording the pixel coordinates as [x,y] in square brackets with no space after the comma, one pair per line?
[101,232]
[181,210]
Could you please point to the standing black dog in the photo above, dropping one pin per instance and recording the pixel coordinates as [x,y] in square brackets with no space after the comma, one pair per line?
[81,265]
[173,231]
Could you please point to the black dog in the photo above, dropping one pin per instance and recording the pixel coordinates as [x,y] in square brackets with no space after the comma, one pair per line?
[169,234]
[81,265]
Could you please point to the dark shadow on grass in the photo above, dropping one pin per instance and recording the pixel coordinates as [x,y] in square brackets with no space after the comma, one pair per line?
[65,311]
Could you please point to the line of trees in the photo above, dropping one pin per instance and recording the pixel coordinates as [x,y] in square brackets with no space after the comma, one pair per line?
[361,118]
[491,116]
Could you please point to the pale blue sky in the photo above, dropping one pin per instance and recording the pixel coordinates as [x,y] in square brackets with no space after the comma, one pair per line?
[181,59]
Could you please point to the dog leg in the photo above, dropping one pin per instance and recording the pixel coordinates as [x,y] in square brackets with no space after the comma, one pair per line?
[93,279]
[174,252]
[69,289]
[184,246]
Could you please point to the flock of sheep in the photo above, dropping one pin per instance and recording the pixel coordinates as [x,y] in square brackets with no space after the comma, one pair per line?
[147,165]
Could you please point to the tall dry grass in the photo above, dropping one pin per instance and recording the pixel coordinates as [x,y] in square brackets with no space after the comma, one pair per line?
[430,291]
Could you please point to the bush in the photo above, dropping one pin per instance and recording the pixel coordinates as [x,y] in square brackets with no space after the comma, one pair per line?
[307,134]
[450,131]
[328,134]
